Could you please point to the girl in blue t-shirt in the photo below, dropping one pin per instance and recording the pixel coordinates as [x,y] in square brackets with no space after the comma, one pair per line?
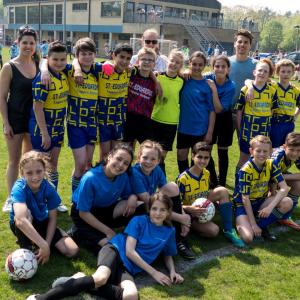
[125,255]
[34,214]
[147,176]
[197,115]
[223,90]
[104,200]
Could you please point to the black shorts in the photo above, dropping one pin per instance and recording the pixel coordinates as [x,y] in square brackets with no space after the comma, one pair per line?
[109,257]
[41,228]
[137,127]
[187,141]
[164,134]
[18,122]
[88,236]
[223,131]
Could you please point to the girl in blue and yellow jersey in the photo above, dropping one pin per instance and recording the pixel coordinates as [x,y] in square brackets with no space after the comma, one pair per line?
[283,120]
[47,119]
[254,210]
[254,117]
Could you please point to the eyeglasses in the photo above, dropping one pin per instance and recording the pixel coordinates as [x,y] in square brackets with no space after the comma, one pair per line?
[154,42]
[147,60]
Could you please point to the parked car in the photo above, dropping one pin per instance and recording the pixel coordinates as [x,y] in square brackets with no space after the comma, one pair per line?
[294,57]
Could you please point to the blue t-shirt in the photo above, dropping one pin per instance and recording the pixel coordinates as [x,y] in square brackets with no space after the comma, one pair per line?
[151,241]
[38,203]
[97,190]
[195,107]
[142,183]
[225,92]
[239,72]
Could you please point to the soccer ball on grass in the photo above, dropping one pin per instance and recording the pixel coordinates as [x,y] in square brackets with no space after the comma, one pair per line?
[21,264]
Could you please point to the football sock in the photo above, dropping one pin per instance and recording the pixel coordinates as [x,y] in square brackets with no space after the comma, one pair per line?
[223,165]
[75,182]
[182,165]
[273,217]
[295,199]
[177,207]
[53,177]
[163,167]
[213,175]
[70,288]
[226,215]
[109,291]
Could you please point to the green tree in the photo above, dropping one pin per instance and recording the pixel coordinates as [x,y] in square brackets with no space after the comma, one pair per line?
[271,36]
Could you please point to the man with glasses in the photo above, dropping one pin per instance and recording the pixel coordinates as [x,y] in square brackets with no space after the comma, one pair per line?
[150,40]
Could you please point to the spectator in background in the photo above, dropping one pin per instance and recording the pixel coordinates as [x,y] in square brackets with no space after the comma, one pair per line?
[44,48]
[217,51]
[14,50]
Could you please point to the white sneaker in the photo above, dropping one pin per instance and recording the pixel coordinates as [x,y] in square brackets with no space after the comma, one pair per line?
[62,208]
[7,207]
[31,297]
[62,280]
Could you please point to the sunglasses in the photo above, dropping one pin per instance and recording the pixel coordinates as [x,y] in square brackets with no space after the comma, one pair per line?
[27,29]
[154,42]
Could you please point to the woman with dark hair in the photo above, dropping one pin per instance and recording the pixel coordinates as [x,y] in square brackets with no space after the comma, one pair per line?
[16,102]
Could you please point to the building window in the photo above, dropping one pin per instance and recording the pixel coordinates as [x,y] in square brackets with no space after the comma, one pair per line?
[129,12]
[124,37]
[202,15]
[79,6]
[47,14]
[174,12]
[11,15]
[105,36]
[59,14]
[111,9]
[33,15]
[20,15]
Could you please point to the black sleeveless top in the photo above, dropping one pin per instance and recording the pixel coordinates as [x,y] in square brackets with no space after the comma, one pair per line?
[19,101]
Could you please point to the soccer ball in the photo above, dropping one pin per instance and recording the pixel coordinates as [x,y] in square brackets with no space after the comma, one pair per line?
[21,264]
[210,209]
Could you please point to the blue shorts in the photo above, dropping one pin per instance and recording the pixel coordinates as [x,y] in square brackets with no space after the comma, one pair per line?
[244,146]
[57,137]
[111,133]
[80,136]
[279,131]
[239,208]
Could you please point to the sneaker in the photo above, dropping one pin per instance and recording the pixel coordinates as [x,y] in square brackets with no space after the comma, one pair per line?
[267,235]
[62,208]
[185,251]
[290,223]
[32,297]
[7,207]
[61,280]
[233,237]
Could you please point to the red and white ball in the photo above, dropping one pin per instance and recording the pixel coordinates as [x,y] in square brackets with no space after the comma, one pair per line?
[21,264]
[210,209]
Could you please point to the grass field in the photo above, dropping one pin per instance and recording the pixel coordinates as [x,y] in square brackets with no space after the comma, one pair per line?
[263,271]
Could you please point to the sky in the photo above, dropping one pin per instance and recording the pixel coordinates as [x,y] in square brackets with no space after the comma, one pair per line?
[276,5]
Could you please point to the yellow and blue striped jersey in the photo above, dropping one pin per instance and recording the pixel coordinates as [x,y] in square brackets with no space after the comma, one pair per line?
[254,182]
[54,98]
[280,159]
[112,92]
[83,99]
[257,113]
[288,100]
[192,187]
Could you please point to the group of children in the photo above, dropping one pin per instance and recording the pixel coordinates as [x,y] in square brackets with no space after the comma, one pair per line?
[122,105]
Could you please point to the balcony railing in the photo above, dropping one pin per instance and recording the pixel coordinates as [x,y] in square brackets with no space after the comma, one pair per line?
[194,20]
